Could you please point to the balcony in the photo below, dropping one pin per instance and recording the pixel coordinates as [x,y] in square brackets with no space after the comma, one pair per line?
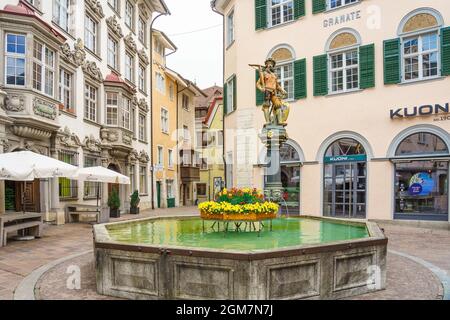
[190,174]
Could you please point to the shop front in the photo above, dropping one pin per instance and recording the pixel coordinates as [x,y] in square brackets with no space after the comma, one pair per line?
[421,165]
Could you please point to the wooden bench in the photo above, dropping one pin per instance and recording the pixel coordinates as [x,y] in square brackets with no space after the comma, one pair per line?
[74,211]
[30,223]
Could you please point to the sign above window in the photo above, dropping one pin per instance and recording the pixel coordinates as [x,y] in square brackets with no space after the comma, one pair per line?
[342,19]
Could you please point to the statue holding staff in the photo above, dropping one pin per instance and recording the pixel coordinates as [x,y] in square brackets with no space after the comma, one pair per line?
[276,110]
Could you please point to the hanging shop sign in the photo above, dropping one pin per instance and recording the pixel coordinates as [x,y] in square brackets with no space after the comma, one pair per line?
[425,110]
[342,19]
[352,158]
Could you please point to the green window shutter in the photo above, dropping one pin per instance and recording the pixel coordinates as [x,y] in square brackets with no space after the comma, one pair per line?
[367,66]
[300,79]
[299,8]
[234,93]
[392,61]
[259,94]
[445,51]
[320,75]
[319,6]
[260,14]
[225,97]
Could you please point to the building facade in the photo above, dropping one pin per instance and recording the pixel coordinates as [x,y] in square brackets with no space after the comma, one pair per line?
[76,79]
[369,110]
[209,126]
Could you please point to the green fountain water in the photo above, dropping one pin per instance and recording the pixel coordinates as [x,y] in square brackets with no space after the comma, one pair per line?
[287,232]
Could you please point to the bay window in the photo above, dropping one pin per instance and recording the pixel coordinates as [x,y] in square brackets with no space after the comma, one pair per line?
[15,59]
[43,68]
[112,108]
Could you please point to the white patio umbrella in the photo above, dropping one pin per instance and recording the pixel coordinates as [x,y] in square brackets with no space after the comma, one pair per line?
[101,174]
[28,166]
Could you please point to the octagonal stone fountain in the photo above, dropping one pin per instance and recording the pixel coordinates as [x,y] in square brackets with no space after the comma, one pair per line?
[300,258]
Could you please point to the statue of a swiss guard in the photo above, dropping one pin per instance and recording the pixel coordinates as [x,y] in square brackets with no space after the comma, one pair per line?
[276,110]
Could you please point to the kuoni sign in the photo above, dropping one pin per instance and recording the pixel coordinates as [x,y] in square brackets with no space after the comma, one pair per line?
[351,158]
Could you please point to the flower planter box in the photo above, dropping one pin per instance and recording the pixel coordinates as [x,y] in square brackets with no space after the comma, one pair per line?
[251,217]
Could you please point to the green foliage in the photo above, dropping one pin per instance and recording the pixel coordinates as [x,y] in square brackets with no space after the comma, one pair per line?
[135,200]
[240,196]
[114,200]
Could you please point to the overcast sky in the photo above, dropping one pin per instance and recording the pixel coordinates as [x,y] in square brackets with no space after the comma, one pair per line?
[197,32]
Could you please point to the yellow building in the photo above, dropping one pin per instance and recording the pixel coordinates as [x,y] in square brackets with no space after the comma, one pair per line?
[209,124]
[164,125]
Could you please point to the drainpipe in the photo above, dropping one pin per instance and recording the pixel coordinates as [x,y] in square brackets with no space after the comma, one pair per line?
[225,169]
[152,178]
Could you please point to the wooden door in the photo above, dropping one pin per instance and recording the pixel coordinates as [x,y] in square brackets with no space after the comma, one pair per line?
[31,191]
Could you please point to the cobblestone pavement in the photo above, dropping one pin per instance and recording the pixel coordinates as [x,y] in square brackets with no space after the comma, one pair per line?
[406,279]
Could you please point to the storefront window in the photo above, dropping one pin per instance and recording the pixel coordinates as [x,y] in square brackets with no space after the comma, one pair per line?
[290,178]
[421,186]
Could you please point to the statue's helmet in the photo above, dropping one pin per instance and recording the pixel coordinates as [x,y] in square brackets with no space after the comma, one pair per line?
[271,61]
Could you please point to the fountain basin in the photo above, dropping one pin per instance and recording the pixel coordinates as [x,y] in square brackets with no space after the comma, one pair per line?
[305,257]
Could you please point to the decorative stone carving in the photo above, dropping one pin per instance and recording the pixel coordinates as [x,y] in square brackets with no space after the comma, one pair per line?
[127,139]
[134,156]
[109,136]
[143,11]
[134,102]
[44,109]
[14,103]
[68,139]
[35,148]
[29,132]
[144,57]
[96,7]
[419,22]
[3,95]
[90,69]
[6,145]
[143,104]
[113,24]
[144,157]
[91,144]
[76,56]
[130,43]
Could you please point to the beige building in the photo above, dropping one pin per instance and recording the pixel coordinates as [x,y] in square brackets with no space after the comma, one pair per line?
[76,80]
[368,89]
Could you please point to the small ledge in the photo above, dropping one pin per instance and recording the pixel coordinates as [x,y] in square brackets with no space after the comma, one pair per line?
[411,82]
[343,93]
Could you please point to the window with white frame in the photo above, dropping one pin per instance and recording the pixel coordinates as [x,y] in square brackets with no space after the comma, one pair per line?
[90,33]
[142,30]
[160,156]
[230,28]
[281,11]
[133,121]
[90,102]
[126,114]
[171,92]
[132,177]
[230,107]
[129,67]
[185,101]
[170,159]
[285,73]
[160,83]
[43,68]
[333,4]
[65,88]
[344,71]
[142,78]
[61,13]
[15,59]
[164,120]
[129,14]
[142,127]
[113,49]
[186,134]
[143,180]
[421,56]
[112,108]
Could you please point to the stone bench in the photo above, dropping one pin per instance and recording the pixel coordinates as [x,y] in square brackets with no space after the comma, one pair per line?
[31,223]
[74,211]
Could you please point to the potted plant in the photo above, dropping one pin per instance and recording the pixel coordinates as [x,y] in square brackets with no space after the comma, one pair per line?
[114,204]
[134,203]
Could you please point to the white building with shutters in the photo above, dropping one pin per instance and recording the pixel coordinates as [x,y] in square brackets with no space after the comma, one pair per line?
[368,89]
[75,84]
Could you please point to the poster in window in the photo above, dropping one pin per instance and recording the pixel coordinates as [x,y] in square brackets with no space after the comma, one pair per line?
[421,184]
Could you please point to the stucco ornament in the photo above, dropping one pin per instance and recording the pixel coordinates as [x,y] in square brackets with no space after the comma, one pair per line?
[90,69]
[91,144]
[143,157]
[3,95]
[143,104]
[114,26]
[130,43]
[14,103]
[134,156]
[144,57]
[68,139]
[96,7]
[77,56]
[275,109]
[127,139]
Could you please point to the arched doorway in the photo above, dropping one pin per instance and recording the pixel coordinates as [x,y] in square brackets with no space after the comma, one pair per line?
[421,165]
[345,179]
[290,178]
[113,186]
